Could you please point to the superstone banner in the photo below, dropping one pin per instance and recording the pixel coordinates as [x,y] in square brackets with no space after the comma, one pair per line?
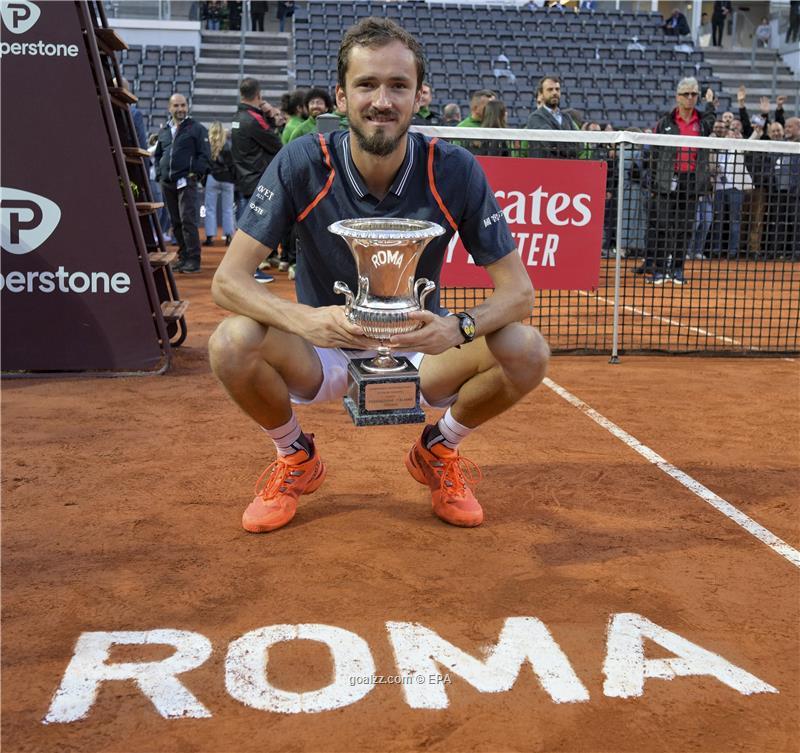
[72,290]
[555,210]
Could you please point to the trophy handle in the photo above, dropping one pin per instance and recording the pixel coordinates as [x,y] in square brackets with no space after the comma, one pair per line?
[342,288]
[422,289]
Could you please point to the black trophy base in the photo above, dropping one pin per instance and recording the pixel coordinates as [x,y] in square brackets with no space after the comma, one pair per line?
[380,399]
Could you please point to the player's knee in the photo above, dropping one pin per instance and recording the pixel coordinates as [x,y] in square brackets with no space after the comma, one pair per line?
[234,342]
[522,353]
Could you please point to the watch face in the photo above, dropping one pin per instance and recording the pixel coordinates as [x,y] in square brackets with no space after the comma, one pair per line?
[467,326]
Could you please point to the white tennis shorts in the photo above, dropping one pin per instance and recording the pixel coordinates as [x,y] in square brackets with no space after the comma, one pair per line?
[334,376]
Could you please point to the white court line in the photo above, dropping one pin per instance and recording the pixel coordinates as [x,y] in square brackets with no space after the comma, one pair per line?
[673,322]
[726,508]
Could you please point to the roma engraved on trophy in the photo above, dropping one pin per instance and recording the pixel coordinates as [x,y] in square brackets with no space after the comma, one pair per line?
[385,389]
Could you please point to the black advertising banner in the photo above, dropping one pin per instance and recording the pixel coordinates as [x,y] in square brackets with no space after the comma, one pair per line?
[71,286]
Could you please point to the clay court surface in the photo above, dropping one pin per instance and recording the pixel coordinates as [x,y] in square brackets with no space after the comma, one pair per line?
[121,507]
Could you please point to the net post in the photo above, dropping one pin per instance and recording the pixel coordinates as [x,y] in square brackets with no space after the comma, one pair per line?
[618,248]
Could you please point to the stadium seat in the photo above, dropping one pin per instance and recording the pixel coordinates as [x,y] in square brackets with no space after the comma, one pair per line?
[145,89]
[184,73]
[130,71]
[149,71]
[133,54]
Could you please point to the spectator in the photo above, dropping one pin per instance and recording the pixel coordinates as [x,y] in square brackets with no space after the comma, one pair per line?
[296,110]
[763,33]
[678,176]
[704,32]
[704,216]
[548,116]
[494,116]
[608,249]
[719,16]
[219,184]
[676,25]
[235,15]
[158,196]
[744,117]
[591,150]
[182,158]
[257,10]
[138,118]
[786,199]
[254,142]
[317,101]
[762,216]
[477,103]
[285,10]
[214,13]
[793,30]
[451,115]
[634,205]
[731,180]
[426,116]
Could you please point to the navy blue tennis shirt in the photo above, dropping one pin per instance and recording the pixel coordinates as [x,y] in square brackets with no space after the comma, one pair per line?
[313,182]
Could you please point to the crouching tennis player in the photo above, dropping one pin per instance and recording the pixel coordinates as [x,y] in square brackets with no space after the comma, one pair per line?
[275,353]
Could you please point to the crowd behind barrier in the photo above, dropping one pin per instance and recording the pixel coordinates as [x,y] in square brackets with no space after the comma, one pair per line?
[731,197]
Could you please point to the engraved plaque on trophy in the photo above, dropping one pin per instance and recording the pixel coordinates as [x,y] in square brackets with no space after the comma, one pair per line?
[385,389]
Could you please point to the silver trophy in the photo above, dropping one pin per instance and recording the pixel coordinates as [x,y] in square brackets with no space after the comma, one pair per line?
[386,251]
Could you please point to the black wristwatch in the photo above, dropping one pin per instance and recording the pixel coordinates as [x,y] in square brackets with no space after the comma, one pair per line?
[467,326]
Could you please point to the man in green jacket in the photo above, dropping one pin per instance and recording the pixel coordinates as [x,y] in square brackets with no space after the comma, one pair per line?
[296,110]
[477,104]
[317,102]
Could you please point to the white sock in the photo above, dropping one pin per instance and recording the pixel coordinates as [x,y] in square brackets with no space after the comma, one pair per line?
[287,438]
[452,431]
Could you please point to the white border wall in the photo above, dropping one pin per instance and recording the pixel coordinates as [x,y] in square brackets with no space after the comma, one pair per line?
[155,32]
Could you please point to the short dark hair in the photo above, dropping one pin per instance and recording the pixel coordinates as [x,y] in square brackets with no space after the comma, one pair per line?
[540,88]
[297,100]
[378,32]
[482,93]
[318,93]
[249,88]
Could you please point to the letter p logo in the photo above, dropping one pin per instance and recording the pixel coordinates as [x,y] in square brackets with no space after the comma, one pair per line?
[29,209]
[26,220]
[19,16]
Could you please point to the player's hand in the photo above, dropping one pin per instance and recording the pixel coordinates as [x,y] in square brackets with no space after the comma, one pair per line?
[765,105]
[709,95]
[741,95]
[329,327]
[437,334]
[780,102]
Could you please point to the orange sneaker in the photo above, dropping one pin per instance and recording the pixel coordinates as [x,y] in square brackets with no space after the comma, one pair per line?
[286,479]
[447,473]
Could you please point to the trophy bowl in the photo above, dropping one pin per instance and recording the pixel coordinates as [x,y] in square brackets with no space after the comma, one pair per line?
[386,251]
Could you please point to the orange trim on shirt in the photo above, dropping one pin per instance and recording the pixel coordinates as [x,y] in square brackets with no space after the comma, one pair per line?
[432,182]
[324,192]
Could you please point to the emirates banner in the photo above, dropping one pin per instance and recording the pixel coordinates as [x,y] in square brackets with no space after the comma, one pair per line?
[555,211]
[73,292]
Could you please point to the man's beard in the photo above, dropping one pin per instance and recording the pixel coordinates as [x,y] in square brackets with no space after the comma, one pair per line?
[379,143]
